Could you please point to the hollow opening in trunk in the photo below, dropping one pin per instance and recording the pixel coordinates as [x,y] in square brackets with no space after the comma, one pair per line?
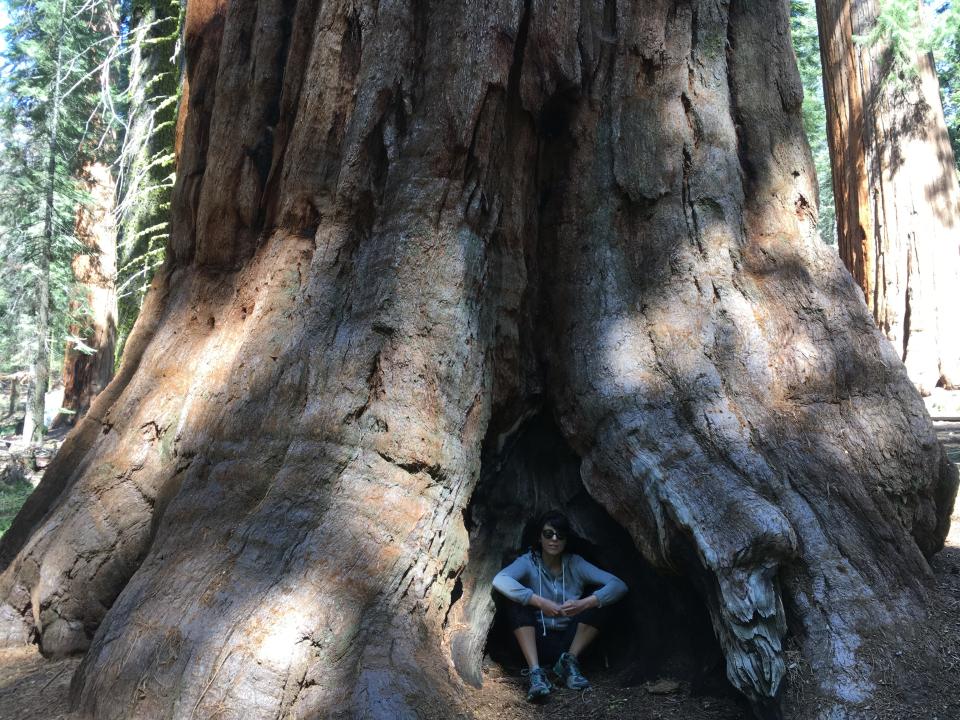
[661,629]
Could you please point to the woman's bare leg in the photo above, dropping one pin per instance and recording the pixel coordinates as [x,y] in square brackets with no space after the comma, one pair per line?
[526,637]
[585,635]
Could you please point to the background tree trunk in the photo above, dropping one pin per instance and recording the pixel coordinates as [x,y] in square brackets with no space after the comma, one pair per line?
[34,425]
[400,231]
[897,197]
[14,397]
[88,369]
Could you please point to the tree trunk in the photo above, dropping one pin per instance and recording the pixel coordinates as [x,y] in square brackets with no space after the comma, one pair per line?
[14,399]
[895,183]
[88,369]
[33,425]
[400,231]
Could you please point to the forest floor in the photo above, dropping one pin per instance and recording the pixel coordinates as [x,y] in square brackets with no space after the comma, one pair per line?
[503,697]
[21,467]
[33,688]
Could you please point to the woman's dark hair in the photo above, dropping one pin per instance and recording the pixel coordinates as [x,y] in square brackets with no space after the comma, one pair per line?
[559,522]
[555,519]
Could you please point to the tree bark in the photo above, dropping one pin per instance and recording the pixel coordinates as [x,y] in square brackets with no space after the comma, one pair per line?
[895,183]
[88,369]
[14,398]
[401,229]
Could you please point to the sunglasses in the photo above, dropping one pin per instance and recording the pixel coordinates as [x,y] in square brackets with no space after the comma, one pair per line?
[551,534]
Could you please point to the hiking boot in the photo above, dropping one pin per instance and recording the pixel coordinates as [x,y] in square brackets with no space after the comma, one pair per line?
[540,687]
[568,669]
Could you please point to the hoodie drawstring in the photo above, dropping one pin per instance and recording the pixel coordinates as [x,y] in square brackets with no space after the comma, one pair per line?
[542,621]
[563,581]
[563,588]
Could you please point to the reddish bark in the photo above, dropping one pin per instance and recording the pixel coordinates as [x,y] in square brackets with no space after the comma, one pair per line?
[898,201]
[87,370]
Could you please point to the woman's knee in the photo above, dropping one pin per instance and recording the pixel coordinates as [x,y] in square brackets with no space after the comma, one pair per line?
[595,618]
[520,616]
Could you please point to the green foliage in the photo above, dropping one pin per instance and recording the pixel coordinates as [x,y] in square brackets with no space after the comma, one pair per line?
[806,45]
[910,29]
[899,27]
[12,497]
[147,158]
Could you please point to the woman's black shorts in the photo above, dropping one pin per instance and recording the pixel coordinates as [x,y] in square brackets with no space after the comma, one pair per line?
[554,643]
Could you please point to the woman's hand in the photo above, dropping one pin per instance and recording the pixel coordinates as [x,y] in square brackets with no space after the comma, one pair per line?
[575,607]
[547,607]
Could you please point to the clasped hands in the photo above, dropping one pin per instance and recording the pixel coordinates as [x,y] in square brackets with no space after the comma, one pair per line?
[568,609]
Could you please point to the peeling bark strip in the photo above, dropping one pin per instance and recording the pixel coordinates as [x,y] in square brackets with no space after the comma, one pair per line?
[417,224]
[898,201]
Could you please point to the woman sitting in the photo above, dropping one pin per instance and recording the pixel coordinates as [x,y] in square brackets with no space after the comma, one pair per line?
[551,618]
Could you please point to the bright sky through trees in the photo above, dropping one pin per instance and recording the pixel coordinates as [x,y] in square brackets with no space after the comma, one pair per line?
[4,21]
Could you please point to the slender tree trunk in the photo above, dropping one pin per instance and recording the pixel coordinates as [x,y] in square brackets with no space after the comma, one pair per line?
[898,201]
[14,396]
[88,369]
[33,426]
[400,231]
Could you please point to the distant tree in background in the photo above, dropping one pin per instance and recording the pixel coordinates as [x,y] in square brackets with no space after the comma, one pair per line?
[88,356]
[894,175]
[946,49]
[806,44]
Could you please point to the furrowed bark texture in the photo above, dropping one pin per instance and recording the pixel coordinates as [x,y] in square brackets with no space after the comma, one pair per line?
[898,201]
[86,371]
[400,229]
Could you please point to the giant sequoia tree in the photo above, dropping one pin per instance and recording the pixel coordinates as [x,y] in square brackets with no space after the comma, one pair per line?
[895,184]
[405,231]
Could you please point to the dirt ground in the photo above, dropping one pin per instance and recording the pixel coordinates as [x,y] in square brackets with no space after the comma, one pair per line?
[32,688]
[504,698]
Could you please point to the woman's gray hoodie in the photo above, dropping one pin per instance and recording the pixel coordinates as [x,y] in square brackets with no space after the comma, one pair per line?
[527,575]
